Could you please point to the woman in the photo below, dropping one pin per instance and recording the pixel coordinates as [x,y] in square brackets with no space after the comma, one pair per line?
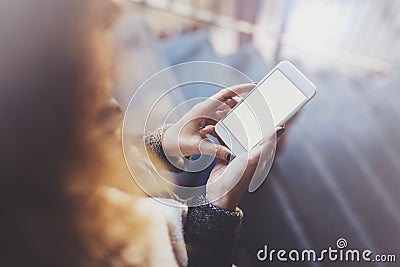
[66,196]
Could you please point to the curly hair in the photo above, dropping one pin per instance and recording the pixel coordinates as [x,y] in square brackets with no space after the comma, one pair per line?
[55,80]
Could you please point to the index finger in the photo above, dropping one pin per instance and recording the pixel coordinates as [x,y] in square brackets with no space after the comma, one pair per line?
[216,100]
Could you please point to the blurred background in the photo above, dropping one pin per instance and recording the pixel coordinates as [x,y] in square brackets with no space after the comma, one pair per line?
[337,172]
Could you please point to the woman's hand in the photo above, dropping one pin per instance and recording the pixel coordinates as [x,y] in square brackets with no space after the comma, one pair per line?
[228,182]
[188,136]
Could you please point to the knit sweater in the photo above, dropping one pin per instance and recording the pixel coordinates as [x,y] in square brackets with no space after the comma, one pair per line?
[209,231]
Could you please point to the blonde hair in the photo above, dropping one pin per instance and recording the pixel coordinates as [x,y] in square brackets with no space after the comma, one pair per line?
[55,81]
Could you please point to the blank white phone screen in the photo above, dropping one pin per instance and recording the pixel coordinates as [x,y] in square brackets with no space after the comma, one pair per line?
[247,122]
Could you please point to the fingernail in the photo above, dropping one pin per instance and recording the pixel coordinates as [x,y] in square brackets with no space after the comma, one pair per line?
[230,157]
[280,132]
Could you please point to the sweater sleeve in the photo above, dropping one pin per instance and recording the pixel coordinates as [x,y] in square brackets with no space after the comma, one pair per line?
[210,232]
[210,235]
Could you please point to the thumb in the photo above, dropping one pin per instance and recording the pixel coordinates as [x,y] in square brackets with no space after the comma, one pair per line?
[209,148]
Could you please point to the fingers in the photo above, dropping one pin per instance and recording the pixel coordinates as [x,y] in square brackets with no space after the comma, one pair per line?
[273,137]
[225,107]
[217,106]
[264,149]
[209,148]
[221,113]
[209,129]
[279,132]
[240,175]
[214,101]
[231,102]
[241,88]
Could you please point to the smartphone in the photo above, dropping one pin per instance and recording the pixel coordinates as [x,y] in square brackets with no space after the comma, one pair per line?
[273,101]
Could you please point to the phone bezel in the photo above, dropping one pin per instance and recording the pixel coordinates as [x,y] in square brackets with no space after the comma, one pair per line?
[294,75]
